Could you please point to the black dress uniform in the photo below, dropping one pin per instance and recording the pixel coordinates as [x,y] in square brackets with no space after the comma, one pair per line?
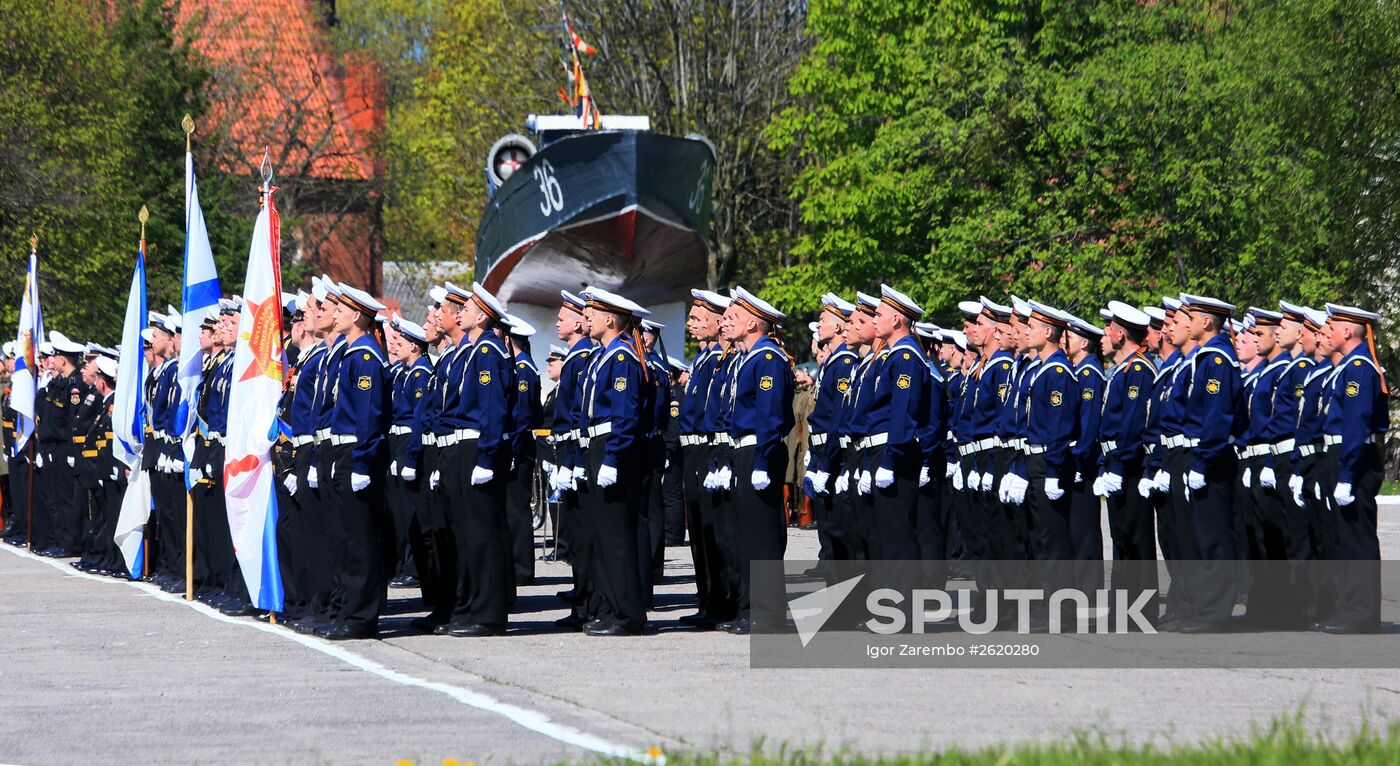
[651,529]
[1122,440]
[59,430]
[308,569]
[1085,519]
[437,562]
[825,454]
[526,416]
[574,534]
[695,457]
[898,411]
[410,541]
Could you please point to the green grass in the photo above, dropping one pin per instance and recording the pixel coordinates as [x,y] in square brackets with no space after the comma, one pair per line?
[1286,742]
[1390,487]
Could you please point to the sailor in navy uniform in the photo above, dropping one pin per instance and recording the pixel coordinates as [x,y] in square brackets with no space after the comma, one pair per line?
[719,480]
[1297,342]
[610,495]
[898,412]
[1355,421]
[858,512]
[574,533]
[824,453]
[932,516]
[526,416]
[1309,459]
[1123,445]
[162,457]
[1052,423]
[437,567]
[60,433]
[475,461]
[1206,486]
[1085,518]
[702,322]
[983,459]
[652,528]
[229,592]
[410,386]
[762,417]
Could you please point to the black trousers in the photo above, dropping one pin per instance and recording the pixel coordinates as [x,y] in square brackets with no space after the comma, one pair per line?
[651,527]
[23,488]
[726,531]
[485,582]
[613,512]
[433,553]
[318,529]
[896,508]
[699,510]
[1085,516]
[1051,534]
[762,520]
[1356,576]
[94,519]
[168,495]
[1132,530]
[109,496]
[401,507]
[1276,538]
[673,494]
[519,488]
[364,552]
[859,511]
[1209,581]
[290,545]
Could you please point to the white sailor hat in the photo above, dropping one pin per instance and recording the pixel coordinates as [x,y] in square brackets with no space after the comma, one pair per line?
[757,306]
[1049,314]
[557,352]
[331,287]
[1170,304]
[1106,314]
[46,349]
[928,330]
[155,318]
[487,302]
[1201,303]
[148,334]
[360,300]
[1020,306]
[518,327]
[228,306]
[1351,314]
[1126,315]
[1264,317]
[709,300]
[1292,311]
[410,330]
[576,303]
[107,366]
[289,303]
[972,309]
[211,317]
[456,294]
[1316,318]
[677,364]
[10,349]
[997,312]
[437,295]
[812,327]
[174,323]
[837,305]
[1082,328]
[900,302]
[318,290]
[959,338]
[302,300]
[61,345]
[866,303]
[1157,314]
[603,300]
[1236,326]
[106,351]
[651,327]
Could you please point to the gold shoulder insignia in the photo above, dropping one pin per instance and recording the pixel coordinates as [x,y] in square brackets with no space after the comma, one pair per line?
[1218,360]
[906,354]
[484,378]
[1357,363]
[902,381]
[1213,385]
[1006,365]
[620,356]
[366,356]
[765,382]
[768,355]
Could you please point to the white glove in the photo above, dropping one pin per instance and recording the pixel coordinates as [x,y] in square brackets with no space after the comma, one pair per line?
[843,483]
[162,464]
[1112,484]
[408,474]
[818,479]
[562,479]
[974,481]
[607,476]
[1195,480]
[952,469]
[577,475]
[759,479]
[394,468]
[196,476]
[1146,487]
[923,477]
[711,481]
[1163,481]
[1267,480]
[1052,488]
[548,468]
[1295,485]
[38,460]
[863,485]
[956,476]
[726,478]
[290,483]
[884,477]
[1004,488]
[1016,493]
[1078,477]
[434,479]
[71,462]
[987,481]
[358,482]
[1248,473]
[1097,488]
[311,478]
[1317,490]
[481,475]
[1342,494]
[114,473]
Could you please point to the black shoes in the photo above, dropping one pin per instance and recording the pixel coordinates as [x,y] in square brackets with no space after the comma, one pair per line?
[404,581]
[1343,628]
[700,620]
[424,624]
[475,630]
[572,622]
[739,627]
[343,633]
[601,628]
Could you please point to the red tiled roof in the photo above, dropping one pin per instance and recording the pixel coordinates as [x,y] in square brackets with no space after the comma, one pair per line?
[277,88]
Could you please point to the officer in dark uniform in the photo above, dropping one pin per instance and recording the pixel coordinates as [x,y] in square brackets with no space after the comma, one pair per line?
[1206,486]
[762,391]
[356,453]
[824,451]
[103,477]
[1355,421]
[614,402]
[719,481]
[475,460]
[853,427]
[527,415]
[1052,407]
[673,473]
[70,405]
[702,322]
[1122,442]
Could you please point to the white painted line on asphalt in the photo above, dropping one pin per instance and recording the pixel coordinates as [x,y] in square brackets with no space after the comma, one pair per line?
[531,719]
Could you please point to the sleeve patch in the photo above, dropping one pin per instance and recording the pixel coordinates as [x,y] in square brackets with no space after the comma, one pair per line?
[902,381]
[1088,394]
[363,383]
[1353,388]
[1213,385]
[1133,392]
[766,382]
[484,378]
[522,386]
[620,384]
[1056,398]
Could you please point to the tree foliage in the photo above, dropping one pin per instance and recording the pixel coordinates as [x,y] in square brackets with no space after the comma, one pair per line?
[1075,151]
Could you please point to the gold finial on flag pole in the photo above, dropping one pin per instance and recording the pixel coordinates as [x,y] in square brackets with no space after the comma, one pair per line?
[188,125]
[143,215]
[33,242]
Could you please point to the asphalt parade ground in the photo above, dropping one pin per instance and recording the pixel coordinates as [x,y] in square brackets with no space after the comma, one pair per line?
[96,670]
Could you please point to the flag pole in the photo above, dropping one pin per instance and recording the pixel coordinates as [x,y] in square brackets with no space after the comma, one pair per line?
[143,216]
[188,125]
[33,447]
